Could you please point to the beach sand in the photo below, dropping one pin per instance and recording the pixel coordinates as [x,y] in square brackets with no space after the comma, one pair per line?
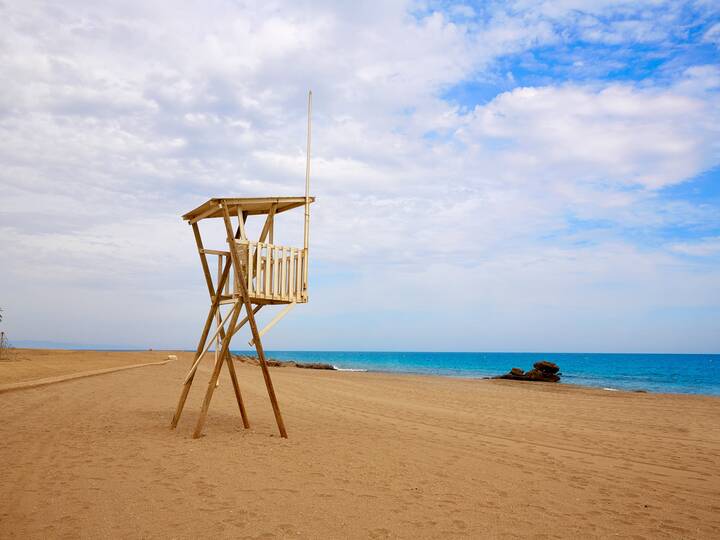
[369,456]
[32,364]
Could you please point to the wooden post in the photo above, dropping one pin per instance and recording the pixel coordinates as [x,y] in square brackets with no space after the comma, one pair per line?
[218,318]
[213,378]
[220,326]
[253,326]
[201,344]
[307,189]
[215,296]
[228,358]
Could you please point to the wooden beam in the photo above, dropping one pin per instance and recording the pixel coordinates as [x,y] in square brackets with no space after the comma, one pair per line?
[268,223]
[275,320]
[241,223]
[203,259]
[205,214]
[220,328]
[216,297]
[246,319]
[214,377]
[254,331]
[201,344]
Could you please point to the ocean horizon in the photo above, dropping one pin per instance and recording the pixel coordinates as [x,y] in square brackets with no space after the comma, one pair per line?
[652,372]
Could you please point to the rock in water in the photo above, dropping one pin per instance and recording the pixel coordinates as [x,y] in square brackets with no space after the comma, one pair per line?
[315,365]
[542,371]
[546,367]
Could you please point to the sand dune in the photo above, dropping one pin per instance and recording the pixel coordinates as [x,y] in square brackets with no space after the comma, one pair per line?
[369,456]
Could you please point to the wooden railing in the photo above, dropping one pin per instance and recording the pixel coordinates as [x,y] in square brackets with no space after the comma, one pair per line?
[274,272]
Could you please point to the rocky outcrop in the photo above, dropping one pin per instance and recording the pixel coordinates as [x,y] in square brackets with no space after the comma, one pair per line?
[278,363]
[542,371]
[314,365]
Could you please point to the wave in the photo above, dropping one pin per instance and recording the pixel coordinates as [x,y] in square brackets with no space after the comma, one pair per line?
[347,369]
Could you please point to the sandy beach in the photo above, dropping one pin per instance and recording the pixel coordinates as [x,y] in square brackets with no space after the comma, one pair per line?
[369,456]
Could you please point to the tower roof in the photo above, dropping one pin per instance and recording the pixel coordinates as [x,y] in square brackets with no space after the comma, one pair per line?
[252,206]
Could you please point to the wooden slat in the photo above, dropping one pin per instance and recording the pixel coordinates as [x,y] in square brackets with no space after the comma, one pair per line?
[215,252]
[227,282]
[298,275]
[287,273]
[282,276]
[258,255]
[251,260]
[268,259]
[276,269]
[291,278]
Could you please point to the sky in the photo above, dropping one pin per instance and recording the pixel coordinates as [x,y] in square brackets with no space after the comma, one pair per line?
[524,175]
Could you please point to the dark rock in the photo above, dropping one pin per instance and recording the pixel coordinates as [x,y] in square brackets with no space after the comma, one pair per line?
[542,372]
[279,363]
[546,367]
[315,365]
[274,363]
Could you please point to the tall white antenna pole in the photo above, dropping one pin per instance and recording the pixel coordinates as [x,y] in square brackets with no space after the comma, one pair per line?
[307,187]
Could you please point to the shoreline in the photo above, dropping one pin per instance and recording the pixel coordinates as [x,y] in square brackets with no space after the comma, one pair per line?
[605,384]
[600,386]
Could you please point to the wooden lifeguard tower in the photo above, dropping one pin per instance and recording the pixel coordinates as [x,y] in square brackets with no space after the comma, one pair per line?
[250,275]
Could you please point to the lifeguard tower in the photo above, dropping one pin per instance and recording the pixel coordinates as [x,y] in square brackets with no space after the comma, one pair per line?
[251,274]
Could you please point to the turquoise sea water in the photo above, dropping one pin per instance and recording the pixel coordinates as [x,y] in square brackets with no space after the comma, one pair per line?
[676,373]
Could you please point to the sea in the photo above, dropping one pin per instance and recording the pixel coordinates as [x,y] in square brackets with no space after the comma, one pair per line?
[669,373]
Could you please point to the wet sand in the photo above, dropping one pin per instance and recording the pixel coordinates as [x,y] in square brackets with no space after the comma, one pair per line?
[369,456]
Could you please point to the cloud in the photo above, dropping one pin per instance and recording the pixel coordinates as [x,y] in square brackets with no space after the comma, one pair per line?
[117,118]
[713,34]
[703,247]
[611,135]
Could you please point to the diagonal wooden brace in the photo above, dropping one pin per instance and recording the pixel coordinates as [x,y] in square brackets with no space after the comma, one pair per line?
[275,320]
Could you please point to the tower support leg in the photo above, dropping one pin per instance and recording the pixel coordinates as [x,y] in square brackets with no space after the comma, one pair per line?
[240,273]
[214,376]
[201,346]
[203,338]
